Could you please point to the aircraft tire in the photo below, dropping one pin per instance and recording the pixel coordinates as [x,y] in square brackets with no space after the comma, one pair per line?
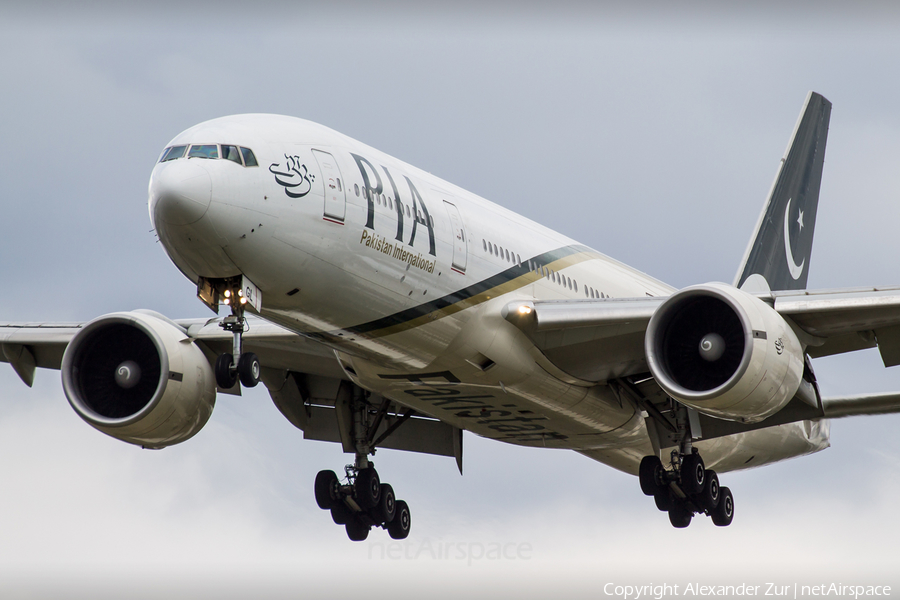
[367,488]
[340,514]
[649,475]
[249,369]
[225,375]
[400,526]
[693,474]
[326,481]
[386,509]
[709,496]
[723,514]
[680,516]
[356,530]
[664,500]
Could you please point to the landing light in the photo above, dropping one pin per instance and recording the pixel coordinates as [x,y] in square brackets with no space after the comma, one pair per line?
[227,294]
[524,309]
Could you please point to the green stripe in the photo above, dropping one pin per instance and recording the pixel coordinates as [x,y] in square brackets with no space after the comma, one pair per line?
[511,279]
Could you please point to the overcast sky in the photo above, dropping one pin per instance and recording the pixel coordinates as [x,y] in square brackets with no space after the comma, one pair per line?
[651,134]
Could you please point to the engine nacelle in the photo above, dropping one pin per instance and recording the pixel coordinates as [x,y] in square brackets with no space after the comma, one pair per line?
[138,378]
[724,352]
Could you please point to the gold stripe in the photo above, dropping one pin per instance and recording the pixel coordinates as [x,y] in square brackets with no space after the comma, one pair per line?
[504,288]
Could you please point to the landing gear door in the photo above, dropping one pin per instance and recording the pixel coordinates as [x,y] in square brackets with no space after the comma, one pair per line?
[459,238]
[335,195]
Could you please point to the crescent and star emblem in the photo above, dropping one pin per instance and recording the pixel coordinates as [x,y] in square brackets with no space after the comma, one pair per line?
[795,269]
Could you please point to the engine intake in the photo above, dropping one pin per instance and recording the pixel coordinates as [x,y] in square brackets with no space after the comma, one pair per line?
[136,377]
[724,352]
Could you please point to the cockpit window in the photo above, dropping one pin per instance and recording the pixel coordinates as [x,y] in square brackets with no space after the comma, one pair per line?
[231,153]
[204,151]
[228,152]
[249,158]
[173,152]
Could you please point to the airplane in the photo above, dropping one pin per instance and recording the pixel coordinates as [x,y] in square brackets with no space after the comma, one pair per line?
[385,308]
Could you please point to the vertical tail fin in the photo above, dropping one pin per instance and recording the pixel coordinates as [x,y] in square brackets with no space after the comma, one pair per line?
[779,252]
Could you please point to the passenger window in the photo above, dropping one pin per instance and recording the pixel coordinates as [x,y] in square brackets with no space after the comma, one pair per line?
[249,157]
[204,151]
[173,153]
[356,189]
[507,256]
[407,211]
[484,243]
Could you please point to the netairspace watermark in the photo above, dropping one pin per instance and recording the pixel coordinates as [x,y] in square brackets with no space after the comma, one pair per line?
[774,590]
[468,552]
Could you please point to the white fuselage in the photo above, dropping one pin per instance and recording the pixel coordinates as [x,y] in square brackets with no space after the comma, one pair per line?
[406,276]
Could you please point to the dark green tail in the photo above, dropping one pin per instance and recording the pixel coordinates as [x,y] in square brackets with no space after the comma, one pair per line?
[781,247]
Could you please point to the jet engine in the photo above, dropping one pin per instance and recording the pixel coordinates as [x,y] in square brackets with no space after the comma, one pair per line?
[724,353]
[137,377]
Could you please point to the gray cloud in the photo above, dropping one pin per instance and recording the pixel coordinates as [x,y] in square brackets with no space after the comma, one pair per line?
[650,135]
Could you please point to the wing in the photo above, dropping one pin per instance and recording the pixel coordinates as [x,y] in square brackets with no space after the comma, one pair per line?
[602,341]
[303,377]
[839,321]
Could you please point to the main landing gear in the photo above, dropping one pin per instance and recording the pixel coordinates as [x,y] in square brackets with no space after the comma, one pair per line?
[237,365]
[687,489]
[362,502]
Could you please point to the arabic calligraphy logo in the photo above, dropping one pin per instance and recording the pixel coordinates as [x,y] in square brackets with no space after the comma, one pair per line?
[295,178]
[779,346]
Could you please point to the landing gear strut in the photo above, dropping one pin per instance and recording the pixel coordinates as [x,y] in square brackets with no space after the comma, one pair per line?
[688,487]
[238,364]
[361,501]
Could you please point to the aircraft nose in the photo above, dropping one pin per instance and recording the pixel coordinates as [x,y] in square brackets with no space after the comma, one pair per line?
[180,192]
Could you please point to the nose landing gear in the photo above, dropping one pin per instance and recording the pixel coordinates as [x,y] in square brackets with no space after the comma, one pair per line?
[238,364]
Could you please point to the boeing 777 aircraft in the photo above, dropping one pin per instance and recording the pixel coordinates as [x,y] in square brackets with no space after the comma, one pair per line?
[383,307]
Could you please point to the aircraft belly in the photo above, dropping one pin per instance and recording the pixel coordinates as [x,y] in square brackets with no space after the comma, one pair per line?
[509,416]
[484,378]
[729,453]
[765,446]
